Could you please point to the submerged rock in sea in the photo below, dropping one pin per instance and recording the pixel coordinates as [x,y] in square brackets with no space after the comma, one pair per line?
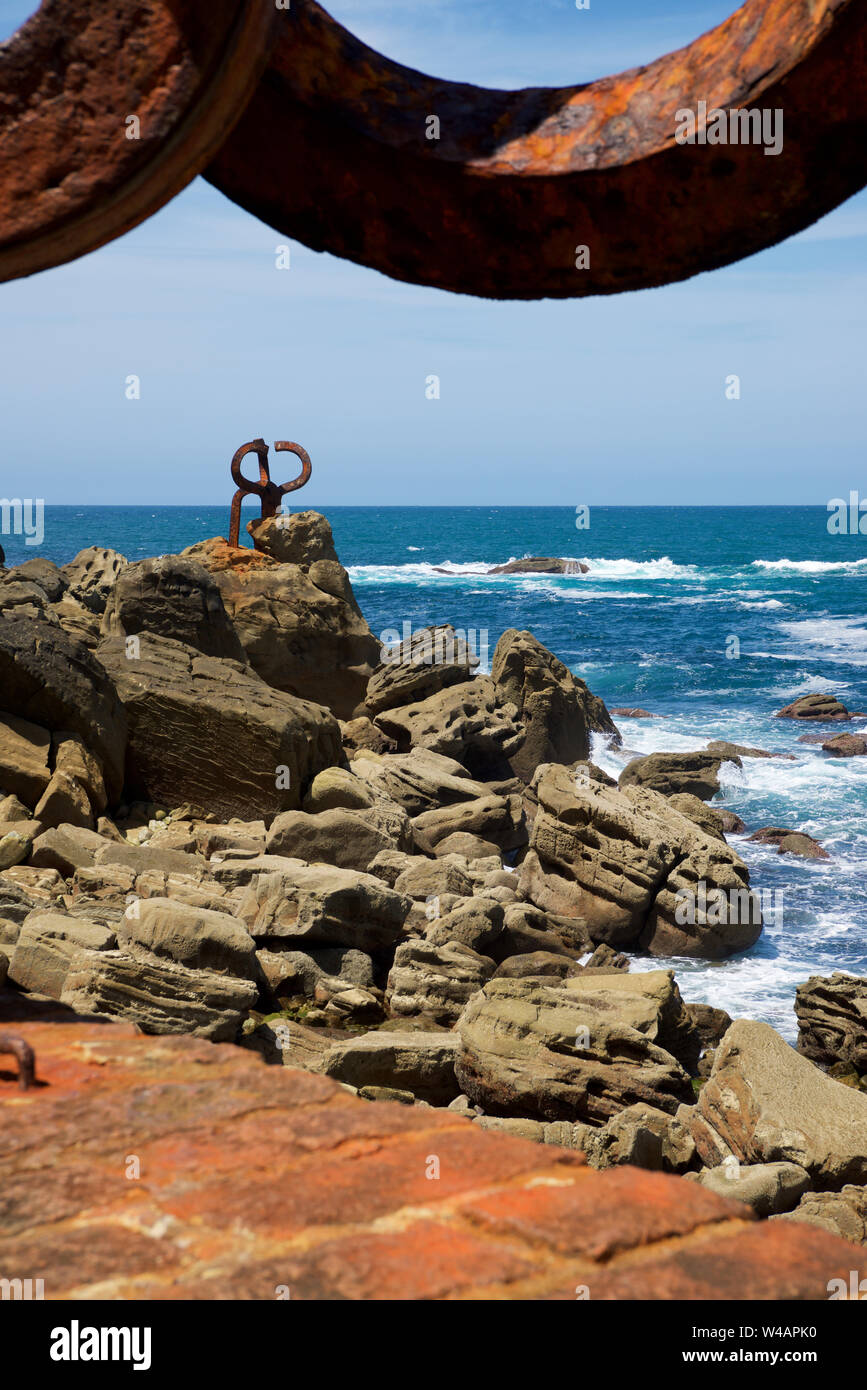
[790,842]
[846,746]
[815,706]
[535,564]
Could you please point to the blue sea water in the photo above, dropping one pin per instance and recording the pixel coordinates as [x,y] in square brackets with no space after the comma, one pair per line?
[711,618]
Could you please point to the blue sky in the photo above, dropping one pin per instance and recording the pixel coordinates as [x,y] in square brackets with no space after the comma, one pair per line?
[609,400]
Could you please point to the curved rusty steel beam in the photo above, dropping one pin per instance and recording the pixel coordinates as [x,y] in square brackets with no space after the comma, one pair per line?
[74,170]
[333,150]
[25,1056]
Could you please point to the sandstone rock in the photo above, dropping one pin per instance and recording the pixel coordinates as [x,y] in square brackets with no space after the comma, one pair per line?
[418,1062]
[46,945]
[632,870]
[643,1137]
[298,621]
[429,661]
[466,722]
[64,802]
[769,1188]
[832,1020]
[290,974]
[790,842]
[44,573]
[141,859]
[539,1049]
[817,706]
[434,878]
[499,820]
[557,711]
[158,998]
[49,677]
[172,596]
[475,923]
[634,713]
[696,774]
[72,756]
[532,964]
[362,735]
[66,848]
[349,839]
[709,820]
[11,809]
[766,1104]
[283,1042]
[324,906]
[536,564]
[846,746]
[469,847]
[435,982]
[24,751]
[842,1213]
[337,788]
[527,928]
[419,781]
[209,732]
[92,575]
[731,824]
[14,846]
[710,1024]
[160,928]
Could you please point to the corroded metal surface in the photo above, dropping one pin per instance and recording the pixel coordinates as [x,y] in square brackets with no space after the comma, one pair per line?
[333,151]
[333,147]
[270,493]
[75,170]
[26,1058]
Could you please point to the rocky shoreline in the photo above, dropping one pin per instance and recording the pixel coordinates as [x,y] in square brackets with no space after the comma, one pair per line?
[227,811]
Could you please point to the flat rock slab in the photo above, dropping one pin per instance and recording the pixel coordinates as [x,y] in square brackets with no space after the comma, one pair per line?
[252,1177]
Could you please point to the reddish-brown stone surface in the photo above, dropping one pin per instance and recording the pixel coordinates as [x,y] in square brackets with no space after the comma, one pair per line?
[255,1180]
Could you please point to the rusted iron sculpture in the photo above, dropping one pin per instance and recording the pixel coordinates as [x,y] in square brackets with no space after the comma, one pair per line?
[327,141]
[270,493]
[10,1042]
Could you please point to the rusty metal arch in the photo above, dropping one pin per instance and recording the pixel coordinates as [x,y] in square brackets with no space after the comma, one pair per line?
[70,178]
[332,150]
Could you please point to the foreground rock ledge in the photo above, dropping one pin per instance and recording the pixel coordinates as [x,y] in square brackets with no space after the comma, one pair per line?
[254,1178]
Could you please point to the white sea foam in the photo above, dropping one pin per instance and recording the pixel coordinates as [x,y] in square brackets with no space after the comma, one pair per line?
[836,639]
[810,566]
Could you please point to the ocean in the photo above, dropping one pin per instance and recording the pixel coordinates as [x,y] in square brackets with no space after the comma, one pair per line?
[711,618]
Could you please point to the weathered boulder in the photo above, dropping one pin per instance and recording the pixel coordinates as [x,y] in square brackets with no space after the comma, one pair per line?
[92,575]
[337,788]
[158,997]
[531,964]
[45,947]
[696,774]
[846,746]
[24,749]
[172,596]
[64,802]
[790,842]
[42,572]
[52,679]
[163,929]
[72,756]
[475,922]
[499,820]
[315,905]
[298,621]
[528,928]
[15,842]
[643,1137]
[546,1050]
[209,732]
[556,710]
[832,1020]
[349,839]
[634,871]
[66,848]
[427,878]
[765,1104]
[290,974]
[709,820]
[418,781]
[361,735]
[723,749]
[769,1188]
[426,662]
[541,564]
[467,722]
[434,982]
[842,1213]
[815,706]
[419,1062]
